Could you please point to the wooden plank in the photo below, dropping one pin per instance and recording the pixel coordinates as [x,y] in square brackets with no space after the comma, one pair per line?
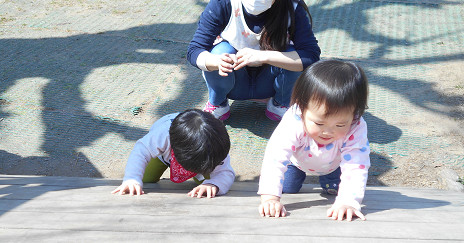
[12,235]
[45,208]
[68,198]
[241,225]
[80,182]
[158,206]
[234,198]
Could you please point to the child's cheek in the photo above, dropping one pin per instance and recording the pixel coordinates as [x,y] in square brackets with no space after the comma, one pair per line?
[313,131]
[341,134]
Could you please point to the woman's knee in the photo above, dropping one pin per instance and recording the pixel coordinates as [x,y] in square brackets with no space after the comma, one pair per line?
[223,47]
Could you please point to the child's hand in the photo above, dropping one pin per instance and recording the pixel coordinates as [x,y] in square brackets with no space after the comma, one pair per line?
[338,213]
[130,186]
[209,189]
[271,207]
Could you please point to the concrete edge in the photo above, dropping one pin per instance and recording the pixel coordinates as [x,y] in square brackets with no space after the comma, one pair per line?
[449,178]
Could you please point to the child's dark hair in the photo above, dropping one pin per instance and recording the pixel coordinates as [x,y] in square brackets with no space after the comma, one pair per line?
[200,142]
[336,84]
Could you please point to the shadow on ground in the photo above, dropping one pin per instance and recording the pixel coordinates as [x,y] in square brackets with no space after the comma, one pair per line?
[66,62]
[67,124]
[396,200]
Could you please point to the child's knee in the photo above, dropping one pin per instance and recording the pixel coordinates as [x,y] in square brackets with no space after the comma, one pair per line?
[154,171]
[291,189]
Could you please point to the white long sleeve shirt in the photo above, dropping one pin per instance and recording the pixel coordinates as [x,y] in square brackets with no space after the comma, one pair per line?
[290,144]
[156,144]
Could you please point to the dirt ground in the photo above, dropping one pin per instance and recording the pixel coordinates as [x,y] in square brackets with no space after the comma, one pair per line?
[417,169]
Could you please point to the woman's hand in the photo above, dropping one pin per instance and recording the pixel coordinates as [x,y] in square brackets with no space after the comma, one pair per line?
[209,189]
[271,207]
[129,186]
[249,57]
[339,212]
[226,63]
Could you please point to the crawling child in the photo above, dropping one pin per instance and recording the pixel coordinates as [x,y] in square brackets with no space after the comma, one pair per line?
[193,144]
[321,132]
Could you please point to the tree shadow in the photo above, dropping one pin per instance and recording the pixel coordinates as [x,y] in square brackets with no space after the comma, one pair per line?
[66,63]
[379,131]
[418,92]
[247,114]
[327,17]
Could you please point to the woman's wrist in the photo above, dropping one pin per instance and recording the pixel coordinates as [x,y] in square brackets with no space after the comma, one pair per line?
[207,61]
[264,56]
[286,60]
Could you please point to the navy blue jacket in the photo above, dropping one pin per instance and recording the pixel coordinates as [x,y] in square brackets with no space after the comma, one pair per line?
[216,15]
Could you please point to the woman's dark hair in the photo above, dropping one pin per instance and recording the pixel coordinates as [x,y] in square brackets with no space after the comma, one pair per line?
[200,142]
[336,84]
[274,35]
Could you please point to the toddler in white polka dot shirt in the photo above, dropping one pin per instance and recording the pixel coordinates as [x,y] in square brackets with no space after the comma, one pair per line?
[321,132]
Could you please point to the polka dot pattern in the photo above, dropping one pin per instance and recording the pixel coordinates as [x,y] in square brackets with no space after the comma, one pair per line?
[329,146]
[350,152]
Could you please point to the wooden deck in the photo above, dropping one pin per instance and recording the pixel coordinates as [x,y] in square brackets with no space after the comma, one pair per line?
[37,209]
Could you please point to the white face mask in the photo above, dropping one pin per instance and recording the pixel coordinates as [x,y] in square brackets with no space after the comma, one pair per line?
[256,7]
